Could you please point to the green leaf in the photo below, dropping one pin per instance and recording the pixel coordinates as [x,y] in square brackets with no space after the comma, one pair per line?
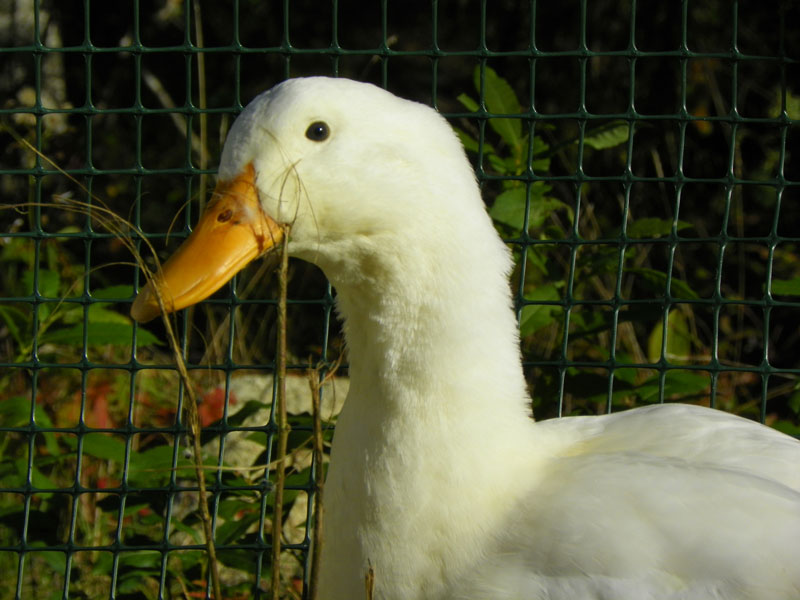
[190,531]
[535,316]
[57,561]
[541,160]
[102,564]
[155,458]
[786,287]
[17,321]
[497,163]
[100,333]
[509,206]
[471,144]
[792,104]
[16,412]
[658,282]
[794,402]
[42,419]
[152,467]
[232,530]
[17,249]
[537,258]
[685,384]
[114,291]
[599,259]
[468,103]
[68,312]
[678,384]
[589,323]
[145,559]
[132,582]
[99,313]
[48,283]
[13,474]
[38,479]
[679,339]
[104,447]
[653,227]
[500,99]
[609,135]
[187,561]
[628,375]
[99,445]
[518,161]
[787,427]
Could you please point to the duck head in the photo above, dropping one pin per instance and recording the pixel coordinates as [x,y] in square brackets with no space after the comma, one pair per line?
[361,177]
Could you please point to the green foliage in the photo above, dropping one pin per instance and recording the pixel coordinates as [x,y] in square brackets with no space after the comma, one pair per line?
[519,155]
[518,199]
[61,321]
[109,462]
[652,227]
[607,136]
[786,287]
[678,348]
[536,314]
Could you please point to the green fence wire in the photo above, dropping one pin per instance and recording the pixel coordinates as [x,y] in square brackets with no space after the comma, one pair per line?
[640,160]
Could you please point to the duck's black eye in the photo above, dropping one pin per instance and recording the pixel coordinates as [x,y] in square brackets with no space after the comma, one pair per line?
[318,131]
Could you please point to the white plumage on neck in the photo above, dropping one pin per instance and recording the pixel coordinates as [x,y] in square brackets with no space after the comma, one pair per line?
[420,405]
[424,325]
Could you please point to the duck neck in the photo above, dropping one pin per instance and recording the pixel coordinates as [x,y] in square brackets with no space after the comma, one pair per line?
[429,331]
[436,395]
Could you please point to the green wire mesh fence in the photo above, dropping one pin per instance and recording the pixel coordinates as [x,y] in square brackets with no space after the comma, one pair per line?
[639,159]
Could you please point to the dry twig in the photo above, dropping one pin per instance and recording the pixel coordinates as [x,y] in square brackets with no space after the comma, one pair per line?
[281,420]
[315,383]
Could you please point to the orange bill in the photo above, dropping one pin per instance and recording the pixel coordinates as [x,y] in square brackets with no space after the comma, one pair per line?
[232,231]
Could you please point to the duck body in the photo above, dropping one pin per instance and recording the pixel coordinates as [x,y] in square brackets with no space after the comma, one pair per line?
[440,482]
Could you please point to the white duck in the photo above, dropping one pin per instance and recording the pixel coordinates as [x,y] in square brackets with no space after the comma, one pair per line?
[440,481]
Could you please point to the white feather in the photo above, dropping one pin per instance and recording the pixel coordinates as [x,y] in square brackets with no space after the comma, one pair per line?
[439,480]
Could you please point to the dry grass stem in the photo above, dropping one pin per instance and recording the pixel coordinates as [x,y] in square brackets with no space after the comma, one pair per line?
[200,146]
[316,383]
[281,419]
